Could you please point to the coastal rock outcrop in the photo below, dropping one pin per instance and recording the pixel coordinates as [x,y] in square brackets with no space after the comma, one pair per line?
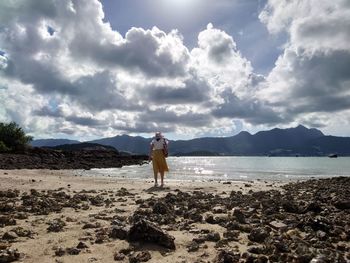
[41,158]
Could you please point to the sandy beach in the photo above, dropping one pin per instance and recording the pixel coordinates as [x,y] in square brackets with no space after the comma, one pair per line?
[58,216]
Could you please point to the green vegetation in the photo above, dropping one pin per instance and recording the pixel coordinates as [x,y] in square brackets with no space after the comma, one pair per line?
[12,137]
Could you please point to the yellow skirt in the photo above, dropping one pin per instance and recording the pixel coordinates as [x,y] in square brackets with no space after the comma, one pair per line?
[159,162]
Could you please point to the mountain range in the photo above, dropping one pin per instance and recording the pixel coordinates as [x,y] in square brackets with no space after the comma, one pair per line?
[298,141]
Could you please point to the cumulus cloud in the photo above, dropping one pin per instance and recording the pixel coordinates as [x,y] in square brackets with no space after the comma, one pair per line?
[312,75]
[90,78]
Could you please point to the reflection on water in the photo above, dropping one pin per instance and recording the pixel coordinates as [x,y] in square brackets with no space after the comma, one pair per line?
[236,168]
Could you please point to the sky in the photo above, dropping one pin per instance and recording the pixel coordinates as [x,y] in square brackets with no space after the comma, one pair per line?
[86,69]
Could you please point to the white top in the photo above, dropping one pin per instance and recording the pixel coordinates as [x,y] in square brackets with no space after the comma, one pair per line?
[159,145]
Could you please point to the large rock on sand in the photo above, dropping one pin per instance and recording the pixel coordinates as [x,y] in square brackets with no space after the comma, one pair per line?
[146,231]
[9,255]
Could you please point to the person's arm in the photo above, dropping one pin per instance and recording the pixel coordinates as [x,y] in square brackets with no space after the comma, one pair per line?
[165,146]
[150,152]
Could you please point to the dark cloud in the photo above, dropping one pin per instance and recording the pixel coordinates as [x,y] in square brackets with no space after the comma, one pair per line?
[321,83]
[144,127]
[221,50]
[194,91]
[189,119]
[100,92]
[85,121]
[251,110]
[44,77]
[47,111]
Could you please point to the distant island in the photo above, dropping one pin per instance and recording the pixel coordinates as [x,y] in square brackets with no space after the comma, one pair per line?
[298,141]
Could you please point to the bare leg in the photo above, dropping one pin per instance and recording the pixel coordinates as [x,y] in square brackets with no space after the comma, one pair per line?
[161,178]
[155,178]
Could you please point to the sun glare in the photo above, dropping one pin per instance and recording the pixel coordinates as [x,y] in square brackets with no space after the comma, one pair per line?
[179,11]
[180,3]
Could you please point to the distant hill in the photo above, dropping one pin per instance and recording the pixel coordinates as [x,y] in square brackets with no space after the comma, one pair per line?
[52,142]
[298,141]
[137,145]
[82,146]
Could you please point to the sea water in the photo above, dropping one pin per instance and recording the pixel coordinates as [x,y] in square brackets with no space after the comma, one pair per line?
[236,168]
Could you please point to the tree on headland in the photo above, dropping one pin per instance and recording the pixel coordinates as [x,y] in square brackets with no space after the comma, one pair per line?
[12,137]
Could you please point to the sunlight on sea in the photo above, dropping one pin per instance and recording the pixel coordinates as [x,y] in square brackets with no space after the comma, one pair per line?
[236,168]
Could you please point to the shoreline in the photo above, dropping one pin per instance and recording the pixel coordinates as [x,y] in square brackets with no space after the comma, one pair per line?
[52,179]
[58,216]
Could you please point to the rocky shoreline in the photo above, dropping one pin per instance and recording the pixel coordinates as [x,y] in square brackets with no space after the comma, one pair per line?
[39,158]
[300,222]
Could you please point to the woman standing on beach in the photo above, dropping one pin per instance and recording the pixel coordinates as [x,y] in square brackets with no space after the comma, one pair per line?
[158,152]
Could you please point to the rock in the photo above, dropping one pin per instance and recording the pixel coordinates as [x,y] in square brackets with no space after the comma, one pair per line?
[194,215]
[321,235]
[9,255]
[200,239]
[21,215]
[142,256]
[7,221]
[293,233]
[146,231]
[292,207]
[60,251]
[222,243]
[162,208]
[127,251]
[7,207]
[210,219]
[9,193]
[117,222]
[319,259]
[119,256]
[213,236]
[119,232]
[226,256]
[278,225]
[70,219]
[4,246]
[192,246]
[91,157]
[314,207]
[101,235]
[92,225]
[281,246]
[231,235]
[218,210]
[73,251]
[319,223]
[238,214]
[97,200]
[258,235]
[56,225]
[82,245]
[256,250]
[261,259]
[10,235]
[22,232]
[342,204]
